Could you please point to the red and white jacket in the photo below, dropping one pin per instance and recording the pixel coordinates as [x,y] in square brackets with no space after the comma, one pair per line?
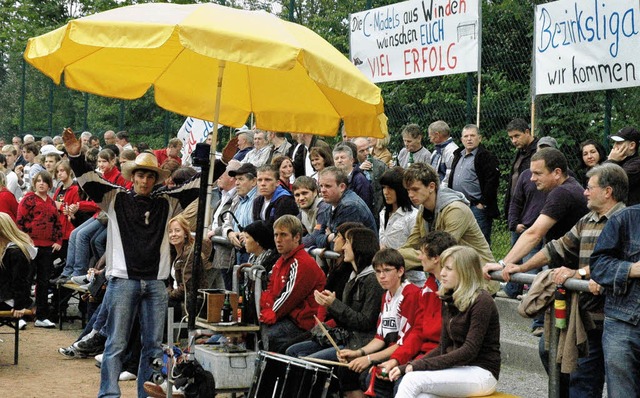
[398,313]
[425,334]
[293,280]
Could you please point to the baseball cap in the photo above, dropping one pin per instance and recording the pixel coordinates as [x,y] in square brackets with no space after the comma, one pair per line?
[241,130]
[547,142]
[246,168]
[47,149]
[626,134]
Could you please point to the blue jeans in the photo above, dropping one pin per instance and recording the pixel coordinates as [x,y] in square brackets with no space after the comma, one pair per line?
[92,320]
[588,380]
[281,332]
[310,348]
[621,346]
[484,222]
[125,299]
[79,250]
[99,243]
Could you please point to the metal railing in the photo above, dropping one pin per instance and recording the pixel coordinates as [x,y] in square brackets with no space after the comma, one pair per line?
[316,252]
[554,368]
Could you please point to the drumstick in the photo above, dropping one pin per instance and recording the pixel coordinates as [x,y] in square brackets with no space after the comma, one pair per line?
[326,333]
[325,361]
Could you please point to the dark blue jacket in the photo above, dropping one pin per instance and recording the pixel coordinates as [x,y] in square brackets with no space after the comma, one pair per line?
[359,184]
[616,250]
[350,208]
[282,202]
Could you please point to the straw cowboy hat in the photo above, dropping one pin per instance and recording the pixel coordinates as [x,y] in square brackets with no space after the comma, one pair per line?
[145,161]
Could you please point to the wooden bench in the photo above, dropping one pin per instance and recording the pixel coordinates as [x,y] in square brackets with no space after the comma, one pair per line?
[499,394]
[7,319]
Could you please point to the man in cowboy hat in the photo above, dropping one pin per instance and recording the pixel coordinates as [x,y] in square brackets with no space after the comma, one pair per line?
[137,256]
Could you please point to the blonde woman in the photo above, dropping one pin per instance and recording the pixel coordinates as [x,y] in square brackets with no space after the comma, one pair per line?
[466,362]
[182,256]
[380,150]
[16,252]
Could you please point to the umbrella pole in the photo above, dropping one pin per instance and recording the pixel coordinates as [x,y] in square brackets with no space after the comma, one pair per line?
[197,264]
[214,144]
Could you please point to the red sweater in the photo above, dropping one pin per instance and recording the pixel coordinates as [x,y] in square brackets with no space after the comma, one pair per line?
[68,197]
[39,219]
[115,177]
[424,336]
[290,291]
[8,203]
[161,155]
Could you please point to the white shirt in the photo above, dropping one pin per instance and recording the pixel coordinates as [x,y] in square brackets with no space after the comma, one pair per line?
[398,228]
[227,196]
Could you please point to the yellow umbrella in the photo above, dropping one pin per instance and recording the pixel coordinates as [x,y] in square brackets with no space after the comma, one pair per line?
[290,78]
[214,63]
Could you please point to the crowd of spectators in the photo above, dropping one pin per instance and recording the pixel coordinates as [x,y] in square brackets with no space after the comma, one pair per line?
[405,301]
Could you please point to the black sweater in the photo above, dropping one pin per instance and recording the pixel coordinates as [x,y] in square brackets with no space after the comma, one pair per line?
[14,278]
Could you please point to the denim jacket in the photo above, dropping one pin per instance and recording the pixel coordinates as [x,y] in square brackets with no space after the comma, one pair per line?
[616,250]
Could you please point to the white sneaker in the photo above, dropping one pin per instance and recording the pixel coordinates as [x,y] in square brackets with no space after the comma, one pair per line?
[22,324]
[80,280]
[44,323]
[126,376]
[98,358]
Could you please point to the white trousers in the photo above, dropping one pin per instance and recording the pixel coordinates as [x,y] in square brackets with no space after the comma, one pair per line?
[462,381]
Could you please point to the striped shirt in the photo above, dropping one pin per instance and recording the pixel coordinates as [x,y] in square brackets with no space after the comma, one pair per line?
[575,247]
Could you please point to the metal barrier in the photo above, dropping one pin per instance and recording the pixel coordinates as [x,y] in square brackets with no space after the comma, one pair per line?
[316,252]
[554,368]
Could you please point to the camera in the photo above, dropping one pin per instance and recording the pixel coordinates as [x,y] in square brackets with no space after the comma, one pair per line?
[200,155]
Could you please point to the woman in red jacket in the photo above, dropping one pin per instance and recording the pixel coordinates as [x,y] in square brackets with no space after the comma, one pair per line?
[107,167]
[38,217]
[8,202]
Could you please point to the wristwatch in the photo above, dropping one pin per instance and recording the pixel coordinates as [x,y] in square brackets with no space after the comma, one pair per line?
[583,273]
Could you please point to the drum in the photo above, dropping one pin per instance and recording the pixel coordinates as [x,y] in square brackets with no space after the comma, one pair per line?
[279,375]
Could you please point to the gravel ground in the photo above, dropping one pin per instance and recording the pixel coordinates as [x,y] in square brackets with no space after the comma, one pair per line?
[523,384]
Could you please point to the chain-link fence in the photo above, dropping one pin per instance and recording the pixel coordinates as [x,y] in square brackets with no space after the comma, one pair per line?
[507,40]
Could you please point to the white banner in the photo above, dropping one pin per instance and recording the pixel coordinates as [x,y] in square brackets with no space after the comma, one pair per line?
[192,132]
[585,45]
[416,38]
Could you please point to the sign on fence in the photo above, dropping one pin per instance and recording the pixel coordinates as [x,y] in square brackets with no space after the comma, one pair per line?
[586,45]
[416,38]
[192,132]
